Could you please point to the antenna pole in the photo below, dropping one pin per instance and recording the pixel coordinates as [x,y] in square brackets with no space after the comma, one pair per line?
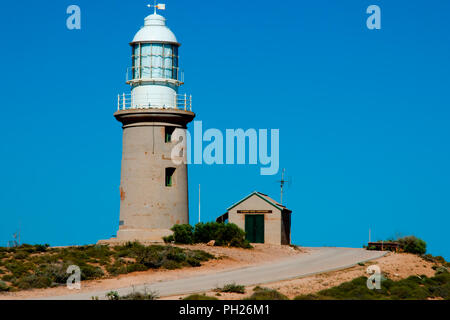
[281,186]
[199,201]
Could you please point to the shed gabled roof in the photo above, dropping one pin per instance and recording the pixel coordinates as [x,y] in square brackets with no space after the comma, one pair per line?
[263,196]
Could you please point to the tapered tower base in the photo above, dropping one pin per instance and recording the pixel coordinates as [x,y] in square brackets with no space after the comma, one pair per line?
[154,186]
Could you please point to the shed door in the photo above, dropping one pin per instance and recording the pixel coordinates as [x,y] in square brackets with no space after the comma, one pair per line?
[254,228]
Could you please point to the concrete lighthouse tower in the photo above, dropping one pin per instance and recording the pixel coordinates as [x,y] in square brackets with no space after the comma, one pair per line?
[153,187]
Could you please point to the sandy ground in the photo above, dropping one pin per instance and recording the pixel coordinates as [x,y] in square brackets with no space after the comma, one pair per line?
[228,259]
[395,265]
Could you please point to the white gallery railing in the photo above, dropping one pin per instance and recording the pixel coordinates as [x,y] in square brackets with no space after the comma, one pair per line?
[154,74]
[128,101]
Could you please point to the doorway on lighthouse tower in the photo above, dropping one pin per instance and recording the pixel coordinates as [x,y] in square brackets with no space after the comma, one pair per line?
[254,228]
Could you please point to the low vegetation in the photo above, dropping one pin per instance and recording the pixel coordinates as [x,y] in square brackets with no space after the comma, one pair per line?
[413,245]
[223,234]
[438,260]
[232,287]
[409,244]
[261,293]
[135,295]
[39,266]
[199,297]
[411,288]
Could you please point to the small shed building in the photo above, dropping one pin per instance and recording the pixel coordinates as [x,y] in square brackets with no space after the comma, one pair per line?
[263,219]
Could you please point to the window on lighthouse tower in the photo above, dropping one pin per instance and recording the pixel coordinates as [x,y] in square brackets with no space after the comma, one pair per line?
[168,134]
[169,176]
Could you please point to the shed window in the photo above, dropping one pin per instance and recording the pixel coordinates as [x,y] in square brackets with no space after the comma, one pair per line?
[169,176]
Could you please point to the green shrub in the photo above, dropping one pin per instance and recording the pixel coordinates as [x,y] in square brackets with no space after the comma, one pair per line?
[33,281]
[113,295]
[199,297]
[56,272]
[193,262]
[266,294]
[21,255]
[440,270]
[41,247]
[89,272]
[438,259]
[140,296]
[223,234]
[200,255]
[135,267]
[171,265]
[7,277]
[150,257]
[232,287]
[412,244]
[205,232]
[19,268]
[4,287]
[427,257]
[177,256]
[117,268]
[169,239]
[230,234]
[183,233]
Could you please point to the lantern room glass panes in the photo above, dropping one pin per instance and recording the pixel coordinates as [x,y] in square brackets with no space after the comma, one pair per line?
[135,62]
[155,60]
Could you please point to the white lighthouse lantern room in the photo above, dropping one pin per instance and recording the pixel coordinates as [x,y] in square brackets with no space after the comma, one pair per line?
[155,75]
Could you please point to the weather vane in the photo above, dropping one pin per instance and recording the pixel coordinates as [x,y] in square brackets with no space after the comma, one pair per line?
[160,6]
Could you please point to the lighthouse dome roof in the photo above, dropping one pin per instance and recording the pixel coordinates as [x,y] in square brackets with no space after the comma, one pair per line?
[155,30]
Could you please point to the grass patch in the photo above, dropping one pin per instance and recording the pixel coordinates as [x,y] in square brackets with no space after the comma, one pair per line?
[232,287]
[411,288]
[4,287]
[140,296]
[199,297]
[261,293]
[135,295]
[40,266]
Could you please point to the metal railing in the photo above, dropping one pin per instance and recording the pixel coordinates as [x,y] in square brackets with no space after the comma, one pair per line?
[154,74]
[128,101]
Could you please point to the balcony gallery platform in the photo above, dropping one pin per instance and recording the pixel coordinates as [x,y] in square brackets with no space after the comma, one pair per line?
[151,115]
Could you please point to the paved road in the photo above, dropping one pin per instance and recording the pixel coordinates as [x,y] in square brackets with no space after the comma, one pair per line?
[317,261]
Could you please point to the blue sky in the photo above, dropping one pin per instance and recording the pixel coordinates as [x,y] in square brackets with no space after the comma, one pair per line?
[363,114]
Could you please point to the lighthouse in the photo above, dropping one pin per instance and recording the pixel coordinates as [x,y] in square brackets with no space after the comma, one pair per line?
[154,116]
